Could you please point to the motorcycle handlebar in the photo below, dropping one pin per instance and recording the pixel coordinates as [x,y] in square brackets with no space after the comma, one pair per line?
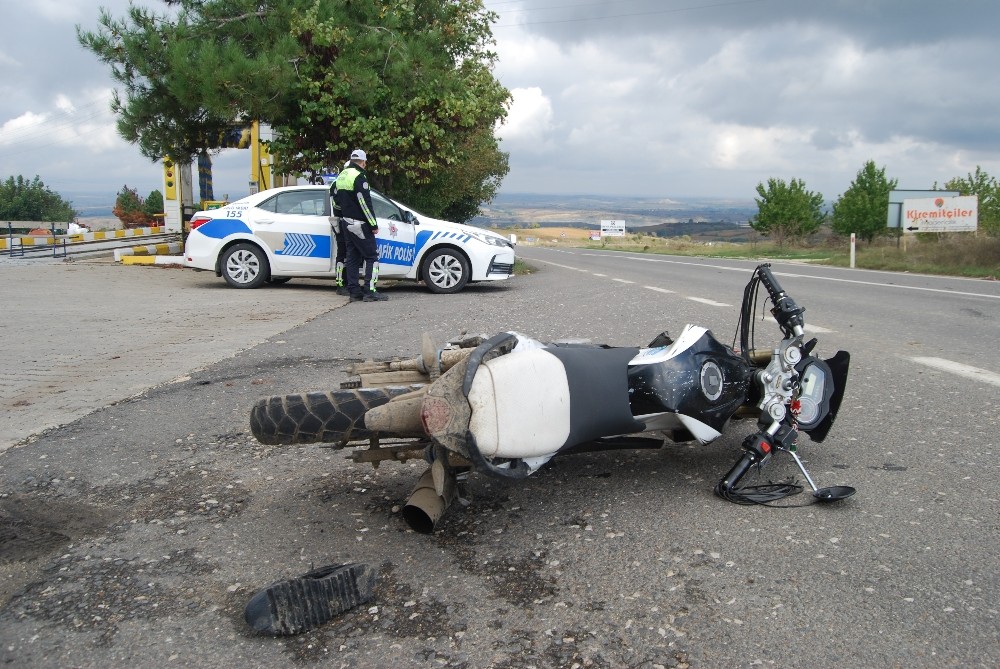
[770,283]
[756,448]
[739,470]
[786,311]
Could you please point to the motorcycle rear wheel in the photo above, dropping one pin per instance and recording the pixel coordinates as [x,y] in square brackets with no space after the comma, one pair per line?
[318,417]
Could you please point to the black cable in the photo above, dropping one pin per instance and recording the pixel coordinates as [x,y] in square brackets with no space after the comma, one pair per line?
[765,494]
[745,322]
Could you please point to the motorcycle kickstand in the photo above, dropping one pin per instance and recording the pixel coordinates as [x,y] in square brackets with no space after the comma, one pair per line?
[828,494]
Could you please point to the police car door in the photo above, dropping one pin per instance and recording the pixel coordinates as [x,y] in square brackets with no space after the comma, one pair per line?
[396,249]
[295,226]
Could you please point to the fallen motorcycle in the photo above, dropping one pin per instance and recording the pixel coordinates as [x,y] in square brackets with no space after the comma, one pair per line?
[506,405]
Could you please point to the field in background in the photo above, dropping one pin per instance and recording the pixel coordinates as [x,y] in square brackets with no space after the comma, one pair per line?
[956,254]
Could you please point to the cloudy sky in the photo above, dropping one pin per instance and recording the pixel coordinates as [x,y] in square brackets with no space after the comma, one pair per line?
[668,98]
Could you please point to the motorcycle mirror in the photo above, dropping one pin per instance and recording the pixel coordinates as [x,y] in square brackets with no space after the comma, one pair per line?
[833,493]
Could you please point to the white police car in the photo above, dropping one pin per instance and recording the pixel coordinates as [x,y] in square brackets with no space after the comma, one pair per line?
[283,233]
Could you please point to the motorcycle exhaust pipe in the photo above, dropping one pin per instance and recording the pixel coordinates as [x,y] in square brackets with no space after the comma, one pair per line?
[425,507]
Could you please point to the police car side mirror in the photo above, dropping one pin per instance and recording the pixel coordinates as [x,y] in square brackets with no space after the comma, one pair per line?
[408,217]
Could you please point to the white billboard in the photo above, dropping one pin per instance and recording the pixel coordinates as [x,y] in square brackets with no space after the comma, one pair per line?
[612,228]
[941,214]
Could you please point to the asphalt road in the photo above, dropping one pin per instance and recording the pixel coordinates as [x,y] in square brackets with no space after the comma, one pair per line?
[79,334]
[135,534]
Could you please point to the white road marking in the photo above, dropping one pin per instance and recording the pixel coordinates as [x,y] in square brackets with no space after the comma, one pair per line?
[711,303]
[575,269]
[658,289]
[890,285]
[809,327]
[622,280]
[596,274]
[817,278]
[787,274]
[958,368]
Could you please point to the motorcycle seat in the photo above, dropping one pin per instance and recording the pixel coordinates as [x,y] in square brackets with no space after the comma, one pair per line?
[536,402]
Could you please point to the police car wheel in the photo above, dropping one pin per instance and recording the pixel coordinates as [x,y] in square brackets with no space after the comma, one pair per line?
[445,271]
[245,266]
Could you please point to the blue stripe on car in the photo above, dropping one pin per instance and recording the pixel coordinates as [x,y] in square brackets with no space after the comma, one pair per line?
[220,228]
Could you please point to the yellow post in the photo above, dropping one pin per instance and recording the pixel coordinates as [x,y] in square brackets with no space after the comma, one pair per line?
[176,193]
[260,161]
[265,165]
[255,181]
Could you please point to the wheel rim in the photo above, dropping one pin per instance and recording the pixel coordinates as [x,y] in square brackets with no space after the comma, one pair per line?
[243,266]
[445,271]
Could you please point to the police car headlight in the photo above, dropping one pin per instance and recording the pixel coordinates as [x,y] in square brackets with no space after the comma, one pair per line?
[492,240]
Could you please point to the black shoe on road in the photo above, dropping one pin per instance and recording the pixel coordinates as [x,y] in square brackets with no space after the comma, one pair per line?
[356,298]
[375,297]
[300,604]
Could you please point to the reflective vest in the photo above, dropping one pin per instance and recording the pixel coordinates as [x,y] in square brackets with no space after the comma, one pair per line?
[352,195]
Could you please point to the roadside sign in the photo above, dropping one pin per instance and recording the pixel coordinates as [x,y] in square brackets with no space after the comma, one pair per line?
[941,214]
[894,213]
[612,228]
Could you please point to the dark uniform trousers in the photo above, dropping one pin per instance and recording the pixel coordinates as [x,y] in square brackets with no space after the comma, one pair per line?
[360,250]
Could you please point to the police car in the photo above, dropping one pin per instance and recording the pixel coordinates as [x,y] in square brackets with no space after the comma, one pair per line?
[283,233]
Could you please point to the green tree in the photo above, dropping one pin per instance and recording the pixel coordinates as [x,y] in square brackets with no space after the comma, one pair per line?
[153,205]
[409,81]
[863,207]
[787,210]
[987,189]
[24,200]
[455,193]
[192,75]
[131,209]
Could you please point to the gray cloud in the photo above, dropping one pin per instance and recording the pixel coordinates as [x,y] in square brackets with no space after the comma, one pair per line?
[741,91]
[878,23]
[672,97]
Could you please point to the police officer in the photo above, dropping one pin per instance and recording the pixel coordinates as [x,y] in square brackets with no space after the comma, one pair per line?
[338,234]
[353,196]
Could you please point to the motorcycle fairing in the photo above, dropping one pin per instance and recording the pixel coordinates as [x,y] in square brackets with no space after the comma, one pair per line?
[696,375]
[680,427]
[534,403]
[689,337]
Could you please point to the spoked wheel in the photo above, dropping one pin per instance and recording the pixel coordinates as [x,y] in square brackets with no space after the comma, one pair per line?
[317,417]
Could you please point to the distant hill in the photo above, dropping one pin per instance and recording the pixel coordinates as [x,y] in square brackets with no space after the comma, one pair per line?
[711,218]
[91,204]
[705,218]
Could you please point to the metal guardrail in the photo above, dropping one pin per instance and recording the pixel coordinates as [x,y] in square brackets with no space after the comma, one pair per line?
[17,249]
[20,245]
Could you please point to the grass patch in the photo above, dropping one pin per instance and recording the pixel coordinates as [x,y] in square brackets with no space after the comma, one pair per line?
[955,254]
